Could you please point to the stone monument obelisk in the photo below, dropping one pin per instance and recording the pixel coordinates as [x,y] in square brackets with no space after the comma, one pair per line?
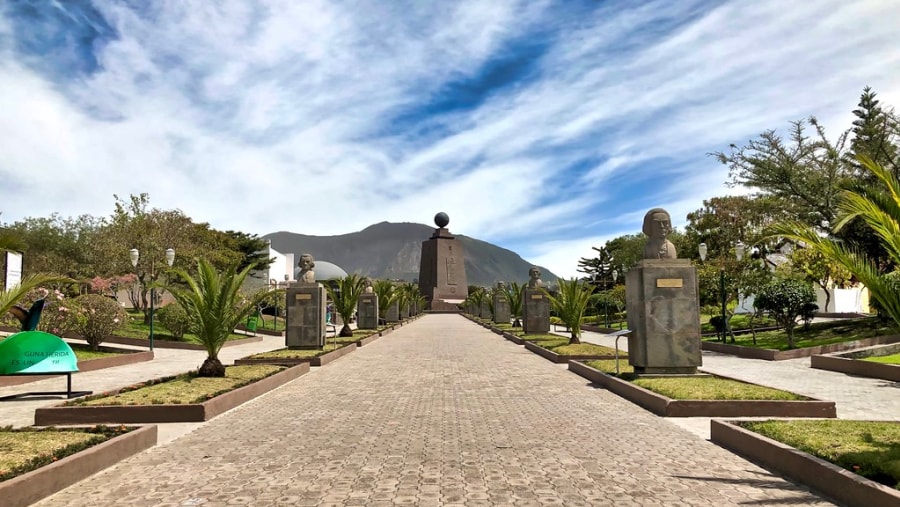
[442,270]
[305,307]
[663,307]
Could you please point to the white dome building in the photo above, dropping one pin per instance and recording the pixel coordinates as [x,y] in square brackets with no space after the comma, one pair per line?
[324,271]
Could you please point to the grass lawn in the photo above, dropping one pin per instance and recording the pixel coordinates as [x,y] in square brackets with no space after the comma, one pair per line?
[694,388]
[891,359]
[738,322]
[27,449]
[83,352]
[870,449]
[820,333]
[183,389]
[584,349]
[137,329]
[301,353]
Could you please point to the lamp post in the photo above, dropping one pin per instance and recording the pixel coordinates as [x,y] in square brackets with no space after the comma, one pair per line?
[170,258]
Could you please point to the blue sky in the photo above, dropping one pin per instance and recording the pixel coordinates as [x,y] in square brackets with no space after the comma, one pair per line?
[546,127]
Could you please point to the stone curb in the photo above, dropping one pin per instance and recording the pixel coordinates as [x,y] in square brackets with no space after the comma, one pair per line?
[28,488]
[197,412]
[167,344]
[840,363]
[333,355]
[561,359]
[781,355]
[667,407]
[832,480]
[128,357]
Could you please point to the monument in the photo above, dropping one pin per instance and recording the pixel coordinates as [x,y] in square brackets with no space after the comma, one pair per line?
[367,309]
[442,270]
[536,306]
[305,307]
[663,305]
[501,305]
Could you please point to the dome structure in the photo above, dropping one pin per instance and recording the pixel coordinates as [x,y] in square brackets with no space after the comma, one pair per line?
[324,271]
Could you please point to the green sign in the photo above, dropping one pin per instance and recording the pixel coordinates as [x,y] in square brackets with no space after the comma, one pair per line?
[36,352]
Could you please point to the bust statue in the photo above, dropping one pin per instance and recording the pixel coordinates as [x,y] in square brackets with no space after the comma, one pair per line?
[501,286]
[306,264]
[658,225]
[535,278]
[367,286]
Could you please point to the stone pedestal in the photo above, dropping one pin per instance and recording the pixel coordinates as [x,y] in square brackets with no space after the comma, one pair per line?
[664,316]
[305,306]
[393,313]
[501,309]
[485,310]
[404,312]
[367,311]
[442,272]
[535,312]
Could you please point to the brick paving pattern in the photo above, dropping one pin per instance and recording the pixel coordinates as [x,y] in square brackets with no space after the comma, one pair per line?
[440,412]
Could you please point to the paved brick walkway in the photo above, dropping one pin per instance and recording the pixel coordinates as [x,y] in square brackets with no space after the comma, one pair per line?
[440,412]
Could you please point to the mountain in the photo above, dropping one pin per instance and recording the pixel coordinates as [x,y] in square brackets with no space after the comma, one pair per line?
[389,250]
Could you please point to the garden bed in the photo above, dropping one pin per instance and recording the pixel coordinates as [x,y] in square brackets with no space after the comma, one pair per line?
[547,353]
[853,363]
[290,357]
[834,481]
[780,355]
[31,486]
[76,412]
[122,357]
[668,407]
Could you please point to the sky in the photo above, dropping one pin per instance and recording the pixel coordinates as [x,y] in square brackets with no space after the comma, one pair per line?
[545,127]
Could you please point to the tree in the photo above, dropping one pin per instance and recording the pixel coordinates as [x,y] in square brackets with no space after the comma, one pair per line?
[515,293]
[874,136]
[598,268]
[723,221]
[785,299]
[387,295]
[569,302]
[879,208]
[801,172]
[814,267]
[344,294]
[216,306]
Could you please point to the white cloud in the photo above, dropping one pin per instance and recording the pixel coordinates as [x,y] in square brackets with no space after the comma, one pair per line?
[279,116]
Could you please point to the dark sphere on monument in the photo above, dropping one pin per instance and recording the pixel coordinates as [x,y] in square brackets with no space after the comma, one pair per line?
[441,219]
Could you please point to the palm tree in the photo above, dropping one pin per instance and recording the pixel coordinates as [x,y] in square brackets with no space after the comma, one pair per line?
[10,297]
[514,294]
[344,293]
[569,303]
[477,296]
[879,207]
[214,302]
[387,295]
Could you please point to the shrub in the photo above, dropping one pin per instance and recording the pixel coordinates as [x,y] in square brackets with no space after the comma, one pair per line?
[175,319]
[58,317]
[784,300]
[808,313]
[99,317]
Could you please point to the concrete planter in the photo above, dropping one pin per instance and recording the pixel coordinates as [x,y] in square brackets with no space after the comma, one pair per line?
[331,356]
[131,414]
[667,407]
[166,344]
[780,355]
[832,480]
[127,356]
[852,363]
[561,359]
[513,338]
[28,488]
